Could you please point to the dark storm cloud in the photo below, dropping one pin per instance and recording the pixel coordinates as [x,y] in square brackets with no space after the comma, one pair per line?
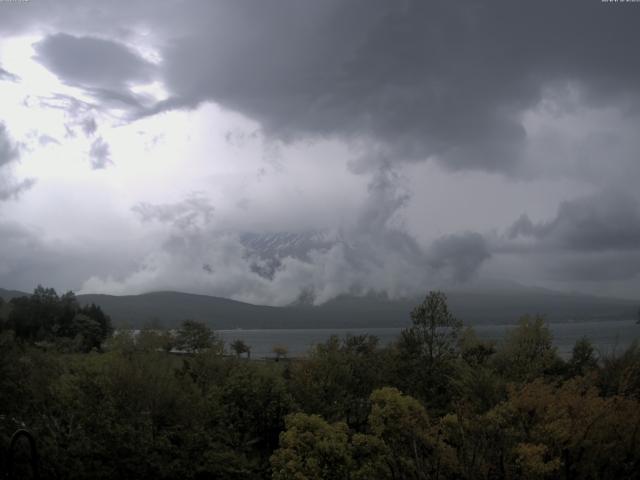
[100,154]
[403,81]
[22,253]
[423,78]
[105,69]
[92,62]
[415,78]
[600,267]
[591,239]
[12,189]
[27,259]
[9,187]
[121,99]
[454,257]
[5,75]
[8,151]
[607,221]
[461,253]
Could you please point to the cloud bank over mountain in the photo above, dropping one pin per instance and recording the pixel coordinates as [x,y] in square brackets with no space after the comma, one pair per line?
[402,144]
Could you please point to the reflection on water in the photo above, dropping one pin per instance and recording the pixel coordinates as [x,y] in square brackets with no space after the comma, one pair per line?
[607,337]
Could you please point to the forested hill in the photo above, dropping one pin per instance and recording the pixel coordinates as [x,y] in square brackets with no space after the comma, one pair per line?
[167,309]
[9,294]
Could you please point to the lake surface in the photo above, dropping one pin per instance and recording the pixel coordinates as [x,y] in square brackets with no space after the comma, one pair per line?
[607,337]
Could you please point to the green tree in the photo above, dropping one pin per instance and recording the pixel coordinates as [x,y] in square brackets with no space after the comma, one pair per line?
[473,350]
[59,321]
[400,443]
[620,374]
[427,351]
[568,431]
[104,321]
[134,416]
[86,332]
[11,376]
[240,347]
[194,337]
[413,449]
[34,318]
[253,401]
[4,313]
[149,340]
[280,351]
[435,331]
[527,351]
[67,309]
[583,358]
[475,381]
[312,449]
[337,377]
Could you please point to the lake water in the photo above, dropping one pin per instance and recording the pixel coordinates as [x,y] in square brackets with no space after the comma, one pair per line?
[607,337]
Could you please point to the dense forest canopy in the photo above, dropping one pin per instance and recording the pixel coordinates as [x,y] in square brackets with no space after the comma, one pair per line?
[438,403]
[46,317]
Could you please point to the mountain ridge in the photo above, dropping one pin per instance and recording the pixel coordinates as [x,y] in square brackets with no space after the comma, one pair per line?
[169,308]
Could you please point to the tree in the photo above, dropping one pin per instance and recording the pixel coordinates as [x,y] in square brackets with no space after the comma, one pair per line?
[45,317]
[568,431]
[95,312]
[527,351]
[435,331]
[34,318]
[86,332]
[3,314]
[149,340]
[11,376]
[474,351]
[414,447]
[620,374]
[583,358]
[280,351]
[337,377]
[68,307]
[427,351]
[239,347]
[400,443]
[194,337]
[313,449]
[402,423]
[254,402]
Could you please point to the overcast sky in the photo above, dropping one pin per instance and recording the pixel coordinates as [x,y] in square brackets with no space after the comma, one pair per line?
[411,144]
